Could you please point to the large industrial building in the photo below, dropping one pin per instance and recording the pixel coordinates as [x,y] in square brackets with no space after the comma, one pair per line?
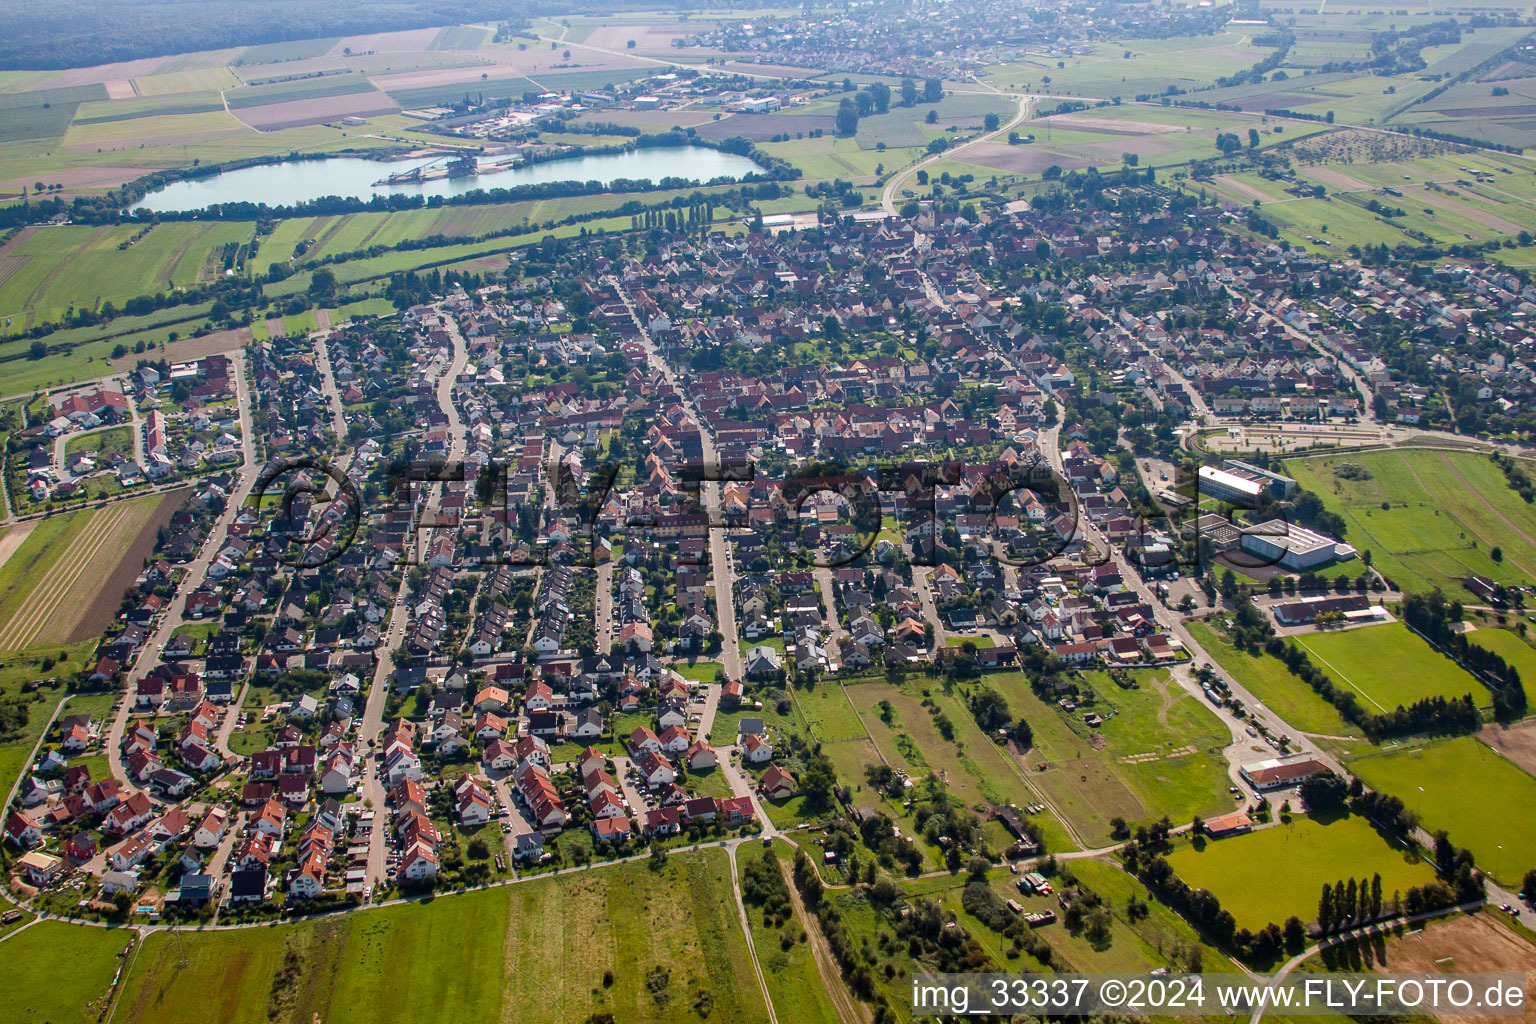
[1243,484]
[1293,547]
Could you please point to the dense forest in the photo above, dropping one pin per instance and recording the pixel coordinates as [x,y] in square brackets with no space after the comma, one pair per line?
[81,33]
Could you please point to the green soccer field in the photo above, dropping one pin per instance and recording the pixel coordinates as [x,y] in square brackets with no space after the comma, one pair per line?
[1482,799]
[1274,873]
[1389,666]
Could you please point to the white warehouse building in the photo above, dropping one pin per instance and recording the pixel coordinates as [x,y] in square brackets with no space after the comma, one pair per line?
[1229,487]
[1293,547]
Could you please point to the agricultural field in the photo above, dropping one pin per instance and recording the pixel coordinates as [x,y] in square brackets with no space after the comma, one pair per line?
[1159,755]
[35,558]
[43,113]
[1445,512]
[1460,943]
[832,720]
[59,268]
[831,157]
[545,942]
[1435,780]
[1433,194]
[1134,67]
[39,993]
[976,770]
[56,586]
[1273,684]
[1389,666]
[1242,870]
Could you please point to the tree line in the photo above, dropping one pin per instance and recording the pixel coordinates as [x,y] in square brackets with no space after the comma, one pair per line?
[1435,619]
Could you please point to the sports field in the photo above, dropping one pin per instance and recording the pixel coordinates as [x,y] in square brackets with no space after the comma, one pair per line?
[1389,666]
[544,943]
[1273,873]
[1273,684]
[1460,785]
[1446,512]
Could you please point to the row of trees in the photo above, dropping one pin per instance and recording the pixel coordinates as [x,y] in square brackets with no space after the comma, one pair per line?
[1434,618]
[1252,631]
[1344,906]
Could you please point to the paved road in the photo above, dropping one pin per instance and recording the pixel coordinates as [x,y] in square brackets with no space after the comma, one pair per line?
[722,574]
[322,341]
[922,586]
[888,197]
[194,572]
[372,726]
[514,817]
[709,711]
[824,583]
[604,607]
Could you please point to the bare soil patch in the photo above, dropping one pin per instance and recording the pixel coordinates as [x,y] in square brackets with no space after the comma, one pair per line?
[296,113]
[1458,945]
[13,538]
[1112,149]
[120,89]
[614,37]
[427,79]
[10,264]
[104,73]
[1274,101]
[1243,189]
[546,61]
[1027,159]
[409,40]
[1491,221]
[184,349]
[1109,125]
[103,607]
[762,127]
[84,177]
[1516,742]
[1336,180]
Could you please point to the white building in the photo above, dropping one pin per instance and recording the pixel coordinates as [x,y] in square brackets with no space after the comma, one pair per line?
[1293,547]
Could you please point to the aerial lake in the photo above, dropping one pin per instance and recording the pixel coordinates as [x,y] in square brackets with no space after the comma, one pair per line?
[301,181]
